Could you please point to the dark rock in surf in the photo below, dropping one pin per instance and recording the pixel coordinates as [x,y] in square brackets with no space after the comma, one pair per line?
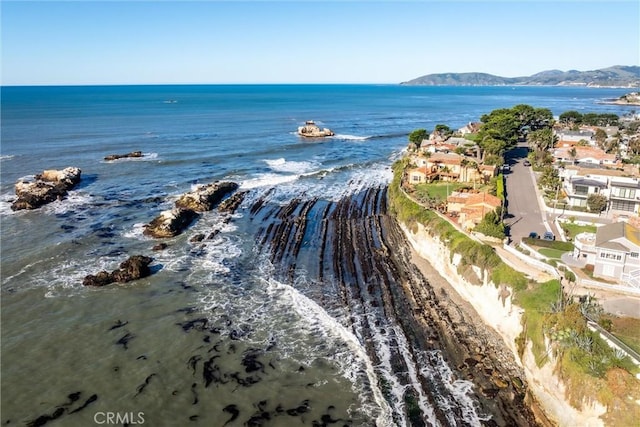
[134,268]
[231,204]
[206,197]
[160,247]
[47,187]
[170,223]
[133,154]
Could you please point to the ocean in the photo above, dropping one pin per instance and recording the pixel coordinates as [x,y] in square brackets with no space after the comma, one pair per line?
[236,329]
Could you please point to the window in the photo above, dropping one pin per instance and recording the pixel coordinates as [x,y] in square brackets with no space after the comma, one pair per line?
[627,193]
[633,254]
[611,256]
[581,190]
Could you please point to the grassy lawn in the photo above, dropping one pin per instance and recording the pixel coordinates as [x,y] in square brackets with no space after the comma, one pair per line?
[572,230]
[438,191]
[551,253]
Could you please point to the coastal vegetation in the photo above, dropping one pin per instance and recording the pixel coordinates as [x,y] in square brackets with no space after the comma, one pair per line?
[554,323]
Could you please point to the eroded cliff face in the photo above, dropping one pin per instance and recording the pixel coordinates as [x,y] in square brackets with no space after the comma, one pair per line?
[495,308]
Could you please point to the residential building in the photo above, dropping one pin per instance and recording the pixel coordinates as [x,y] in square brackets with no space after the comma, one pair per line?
[565,135]
[584,247]
[449,167]
[585,155]
[620,187]
[471,207]
[618,253]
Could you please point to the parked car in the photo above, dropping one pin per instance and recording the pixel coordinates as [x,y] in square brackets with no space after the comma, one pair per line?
[533,235]
[548,236]
[506,168]
[526,163]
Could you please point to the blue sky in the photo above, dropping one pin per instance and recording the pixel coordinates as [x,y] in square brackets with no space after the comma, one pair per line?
[137,42]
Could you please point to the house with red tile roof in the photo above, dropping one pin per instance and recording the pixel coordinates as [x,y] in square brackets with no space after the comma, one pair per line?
[471,207]
[586,155]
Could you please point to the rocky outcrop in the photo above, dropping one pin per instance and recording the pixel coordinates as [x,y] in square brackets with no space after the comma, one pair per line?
[231,204]
[354,250]
[311,130]
[134,268]
[206,197]
[133,154]
[170,223]
[47,187]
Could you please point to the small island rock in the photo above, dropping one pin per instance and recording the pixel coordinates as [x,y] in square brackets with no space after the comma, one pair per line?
[48,186]
[133,154]
[311,130]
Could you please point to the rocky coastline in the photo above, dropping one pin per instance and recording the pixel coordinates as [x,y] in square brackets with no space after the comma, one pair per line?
[361,248]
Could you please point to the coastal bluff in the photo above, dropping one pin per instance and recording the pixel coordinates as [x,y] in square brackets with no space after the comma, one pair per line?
[496,309]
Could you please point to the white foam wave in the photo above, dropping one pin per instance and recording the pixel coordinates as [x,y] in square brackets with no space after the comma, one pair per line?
[352,360]
[267,179]
[350,137]
[6,157]
[136,232]
[459,389]
[283,165]
[72,202]
[5,204]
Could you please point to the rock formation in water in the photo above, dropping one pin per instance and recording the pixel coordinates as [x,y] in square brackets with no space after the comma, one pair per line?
[311,130]
[133,154]
[231,204]
[170,223]
[134,268]
[47,187]
[361,253]
[206,197]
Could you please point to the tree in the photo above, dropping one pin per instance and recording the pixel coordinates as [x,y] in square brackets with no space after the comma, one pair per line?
[417,136]
[540,141]
[596,202]
[570,118]
[442,130]
[573,153]
[491,225]
[549,179]
[601,137]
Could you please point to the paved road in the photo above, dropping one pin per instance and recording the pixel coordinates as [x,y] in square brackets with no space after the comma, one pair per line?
[522,202]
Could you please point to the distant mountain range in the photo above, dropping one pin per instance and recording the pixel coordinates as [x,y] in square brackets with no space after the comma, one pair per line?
[616,76]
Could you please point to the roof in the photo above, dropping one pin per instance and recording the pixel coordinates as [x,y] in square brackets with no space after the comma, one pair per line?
[589,182]
[446,158]
[635,184]
[423,170]
[585,153]
[585,171]
[474,199]
[607,233]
